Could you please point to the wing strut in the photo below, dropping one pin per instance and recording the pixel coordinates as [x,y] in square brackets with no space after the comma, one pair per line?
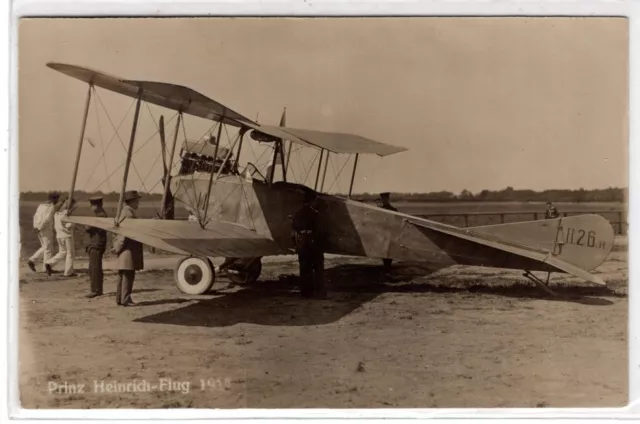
[315,187]
[324,173]
[282,164]
[215,157]
[80,142]
[237,161]
[128,162]
[353,175]
[274,160]
[167,177]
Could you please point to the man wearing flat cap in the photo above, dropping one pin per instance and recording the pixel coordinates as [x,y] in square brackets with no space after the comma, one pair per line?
[129,252]
[43,226]
[385,203]
[95,249]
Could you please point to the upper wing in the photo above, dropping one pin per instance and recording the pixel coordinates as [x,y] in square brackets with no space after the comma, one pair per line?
[331,141]
[178,97]
[220,239]
[171,96]
[512,254]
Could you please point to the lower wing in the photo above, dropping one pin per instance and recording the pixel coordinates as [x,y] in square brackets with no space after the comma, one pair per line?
[493,250]
[219,239]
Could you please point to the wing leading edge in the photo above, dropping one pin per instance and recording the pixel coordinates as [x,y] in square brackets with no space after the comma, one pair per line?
[511,248]
[189,101]
[219,239]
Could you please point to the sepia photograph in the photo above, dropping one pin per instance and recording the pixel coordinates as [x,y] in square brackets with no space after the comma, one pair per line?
[361,212]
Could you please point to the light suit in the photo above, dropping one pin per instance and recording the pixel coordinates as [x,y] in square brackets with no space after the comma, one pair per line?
[43,225]
[66,244]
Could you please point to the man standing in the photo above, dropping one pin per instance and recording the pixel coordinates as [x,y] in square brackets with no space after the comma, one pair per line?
[43,226]
[309,239]
[96,248]
[385,203]
[129,252]
[551,212]
[66,245]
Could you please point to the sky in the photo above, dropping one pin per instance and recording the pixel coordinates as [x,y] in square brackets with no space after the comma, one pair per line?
[481,103]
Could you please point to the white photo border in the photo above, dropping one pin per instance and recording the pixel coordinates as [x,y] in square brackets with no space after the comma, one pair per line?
[9,195]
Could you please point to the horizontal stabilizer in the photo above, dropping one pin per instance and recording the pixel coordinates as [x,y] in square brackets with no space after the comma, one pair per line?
[510,247]
[218,239]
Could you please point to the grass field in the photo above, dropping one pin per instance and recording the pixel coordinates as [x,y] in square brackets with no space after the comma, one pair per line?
[522,211]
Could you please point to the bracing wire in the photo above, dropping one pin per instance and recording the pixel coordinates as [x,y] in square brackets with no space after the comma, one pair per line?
[339,173]
[133,154]
[333,168]
[104,151]
[310,167]
[120,139]
[110,141]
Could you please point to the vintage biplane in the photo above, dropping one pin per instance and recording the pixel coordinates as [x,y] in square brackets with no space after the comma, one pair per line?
[243,215]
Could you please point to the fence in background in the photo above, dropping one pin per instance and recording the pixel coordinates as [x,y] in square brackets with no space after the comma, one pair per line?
[473,219]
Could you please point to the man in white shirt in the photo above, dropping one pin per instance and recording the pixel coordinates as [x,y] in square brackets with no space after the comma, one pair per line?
[66,245]
[43,226]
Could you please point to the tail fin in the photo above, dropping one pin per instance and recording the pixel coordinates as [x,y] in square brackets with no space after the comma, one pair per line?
[584,241]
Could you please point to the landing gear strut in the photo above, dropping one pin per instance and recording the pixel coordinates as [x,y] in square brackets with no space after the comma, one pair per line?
[538,282]
[241,270]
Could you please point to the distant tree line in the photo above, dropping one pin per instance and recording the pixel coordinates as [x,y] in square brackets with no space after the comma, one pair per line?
[508,194]
[84,196]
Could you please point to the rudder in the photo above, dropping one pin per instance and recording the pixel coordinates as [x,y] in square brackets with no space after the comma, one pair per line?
[582,240]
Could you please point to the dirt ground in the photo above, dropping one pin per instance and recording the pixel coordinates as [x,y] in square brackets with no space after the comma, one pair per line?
[455,337]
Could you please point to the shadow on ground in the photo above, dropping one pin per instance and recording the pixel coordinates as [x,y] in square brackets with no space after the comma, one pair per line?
[278,302]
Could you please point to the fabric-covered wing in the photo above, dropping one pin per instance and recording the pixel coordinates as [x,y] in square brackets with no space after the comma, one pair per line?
[178,97]
[219,239]
[514,249]
[171,96]
[334,142]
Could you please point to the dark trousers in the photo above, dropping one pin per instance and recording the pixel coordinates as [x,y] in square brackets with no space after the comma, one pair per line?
[311,272]
[125,286]
[387,263]
[96,274]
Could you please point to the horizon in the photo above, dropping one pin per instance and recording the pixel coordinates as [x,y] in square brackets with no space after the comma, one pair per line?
[355,194]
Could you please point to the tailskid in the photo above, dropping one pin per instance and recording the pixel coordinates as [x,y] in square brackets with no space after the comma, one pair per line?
[542,284]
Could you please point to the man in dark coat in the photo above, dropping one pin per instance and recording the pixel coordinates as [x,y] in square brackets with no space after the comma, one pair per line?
[385,203]
[95,248]
[129,252]
[309,240]
[551,212]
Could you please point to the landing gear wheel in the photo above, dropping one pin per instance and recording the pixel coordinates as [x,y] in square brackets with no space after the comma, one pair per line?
[245,271]
[194,275]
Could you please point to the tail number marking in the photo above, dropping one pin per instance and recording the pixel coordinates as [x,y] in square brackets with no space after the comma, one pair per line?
[580,237]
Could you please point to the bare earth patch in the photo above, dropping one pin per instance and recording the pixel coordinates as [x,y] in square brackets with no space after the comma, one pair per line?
[456,337]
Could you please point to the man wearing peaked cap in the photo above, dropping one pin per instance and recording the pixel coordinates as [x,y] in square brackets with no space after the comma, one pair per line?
[130,253]
[131,195]
[96,248]
[96,200]
[309,239]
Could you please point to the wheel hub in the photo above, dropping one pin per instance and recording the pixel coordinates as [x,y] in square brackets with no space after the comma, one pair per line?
[193,274]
